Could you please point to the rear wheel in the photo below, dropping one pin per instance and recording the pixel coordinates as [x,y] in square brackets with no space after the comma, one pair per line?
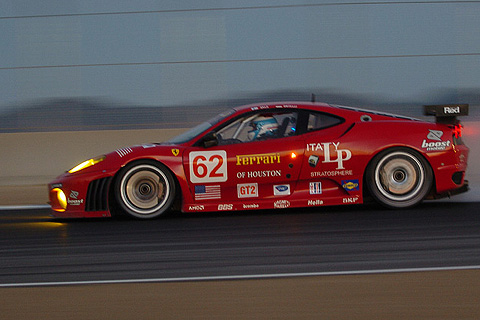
[145,189]
[399,178]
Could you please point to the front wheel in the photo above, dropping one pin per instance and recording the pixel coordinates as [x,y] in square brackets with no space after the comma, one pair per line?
[399,178]
[145,189]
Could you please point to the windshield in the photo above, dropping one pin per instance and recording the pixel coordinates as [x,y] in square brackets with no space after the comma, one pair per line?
[195,131]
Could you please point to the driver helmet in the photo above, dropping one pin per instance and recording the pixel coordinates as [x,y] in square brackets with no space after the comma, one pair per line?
[263,126]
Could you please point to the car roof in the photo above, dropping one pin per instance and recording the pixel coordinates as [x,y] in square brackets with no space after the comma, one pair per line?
[282,104]
[318,106]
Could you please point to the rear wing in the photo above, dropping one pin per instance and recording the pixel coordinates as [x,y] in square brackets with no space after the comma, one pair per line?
[446,113]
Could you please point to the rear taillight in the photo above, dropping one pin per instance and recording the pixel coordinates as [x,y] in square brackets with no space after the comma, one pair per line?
[457,134]
[457,131]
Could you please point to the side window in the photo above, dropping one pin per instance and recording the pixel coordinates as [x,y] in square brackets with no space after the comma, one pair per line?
[317,121]
[258,127]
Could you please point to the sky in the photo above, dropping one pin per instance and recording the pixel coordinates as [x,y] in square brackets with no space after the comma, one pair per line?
[163,53]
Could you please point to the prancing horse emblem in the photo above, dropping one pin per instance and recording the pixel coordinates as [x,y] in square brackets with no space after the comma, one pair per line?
[175,152]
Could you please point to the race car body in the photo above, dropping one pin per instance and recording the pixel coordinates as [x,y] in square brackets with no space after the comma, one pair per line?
[275,156]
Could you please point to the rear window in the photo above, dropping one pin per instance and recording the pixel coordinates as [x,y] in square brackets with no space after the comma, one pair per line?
[318,121]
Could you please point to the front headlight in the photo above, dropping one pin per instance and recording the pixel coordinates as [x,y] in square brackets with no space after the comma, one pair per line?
[61,200]
[86,164]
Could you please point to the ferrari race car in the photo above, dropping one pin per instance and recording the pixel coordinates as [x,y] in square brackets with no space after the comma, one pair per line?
[275,156]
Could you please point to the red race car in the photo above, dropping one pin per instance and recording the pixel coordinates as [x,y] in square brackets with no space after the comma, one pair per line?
[275,156]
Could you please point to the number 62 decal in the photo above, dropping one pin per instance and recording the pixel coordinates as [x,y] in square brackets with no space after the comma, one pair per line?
[208,166]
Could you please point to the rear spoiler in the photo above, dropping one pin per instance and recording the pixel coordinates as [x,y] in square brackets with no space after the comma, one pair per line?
[446,113]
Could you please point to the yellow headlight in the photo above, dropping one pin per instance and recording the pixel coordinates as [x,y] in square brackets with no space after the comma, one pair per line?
[61,198]
[86,164]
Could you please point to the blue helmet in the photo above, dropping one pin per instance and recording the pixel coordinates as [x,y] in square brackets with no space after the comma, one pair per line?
[263,126]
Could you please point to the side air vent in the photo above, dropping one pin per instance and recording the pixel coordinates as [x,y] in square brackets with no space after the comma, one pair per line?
[97,195]
[457,177]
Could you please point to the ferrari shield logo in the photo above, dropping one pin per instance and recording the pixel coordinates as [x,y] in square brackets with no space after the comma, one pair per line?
[175,152]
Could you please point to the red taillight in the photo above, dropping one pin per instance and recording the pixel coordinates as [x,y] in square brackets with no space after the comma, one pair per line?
[457,131]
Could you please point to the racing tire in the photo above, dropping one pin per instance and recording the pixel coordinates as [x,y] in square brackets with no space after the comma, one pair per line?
[399,178]
[145,190]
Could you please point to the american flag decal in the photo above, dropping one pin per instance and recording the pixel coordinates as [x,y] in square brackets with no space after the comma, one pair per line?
[207,192]
[315,188]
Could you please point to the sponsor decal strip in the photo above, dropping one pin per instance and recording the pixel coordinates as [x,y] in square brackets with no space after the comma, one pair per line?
[451,110]
[207,192]
[435,135]
[208,166]
[247,190]
[197,207]
[434,146]
[225,207]
[342,155]
[73,199]
[438,145]
[281,190]
[332,173]
[251,159]
[315,188]
[350,185]
[259,174]
[350,200]
[281,204]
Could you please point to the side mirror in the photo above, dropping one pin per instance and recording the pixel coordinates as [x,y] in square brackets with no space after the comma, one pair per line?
[210,140]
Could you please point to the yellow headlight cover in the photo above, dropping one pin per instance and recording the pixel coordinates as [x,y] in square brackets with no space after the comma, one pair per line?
[86,164]
[61,198]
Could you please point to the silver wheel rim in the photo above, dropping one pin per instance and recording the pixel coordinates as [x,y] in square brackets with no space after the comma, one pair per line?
[399,176]
[144,189]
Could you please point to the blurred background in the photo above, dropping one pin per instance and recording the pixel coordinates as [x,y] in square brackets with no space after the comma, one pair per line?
[79,67]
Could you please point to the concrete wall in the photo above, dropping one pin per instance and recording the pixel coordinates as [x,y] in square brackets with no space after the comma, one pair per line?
[30,160]
[162,53]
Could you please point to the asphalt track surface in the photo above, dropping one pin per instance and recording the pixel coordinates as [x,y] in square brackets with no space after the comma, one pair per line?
[35,248]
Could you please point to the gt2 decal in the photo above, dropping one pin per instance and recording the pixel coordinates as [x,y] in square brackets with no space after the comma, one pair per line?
[341,154]
[208,166]
[247,190]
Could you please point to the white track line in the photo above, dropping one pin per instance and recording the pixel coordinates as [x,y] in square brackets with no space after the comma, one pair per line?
[29,207]
[238,277]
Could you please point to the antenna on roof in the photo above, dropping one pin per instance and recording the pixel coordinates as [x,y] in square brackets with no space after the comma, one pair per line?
[313,97]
